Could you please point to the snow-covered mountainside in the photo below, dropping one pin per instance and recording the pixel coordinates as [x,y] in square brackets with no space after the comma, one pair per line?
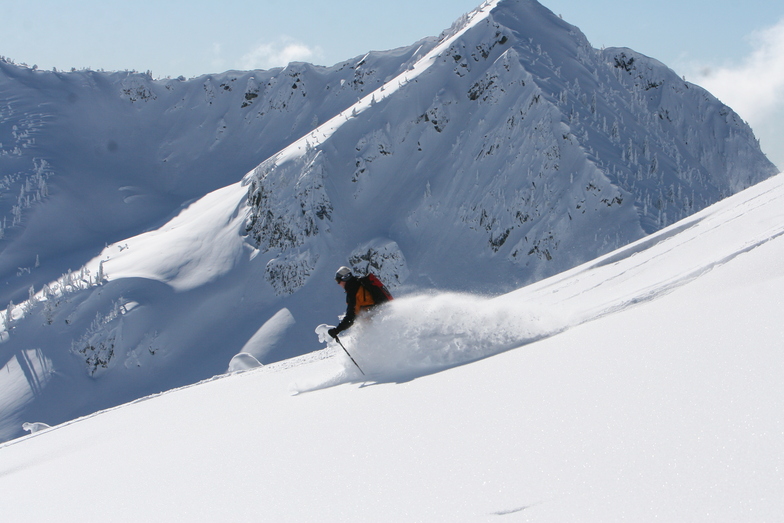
[154,229]
[643,386]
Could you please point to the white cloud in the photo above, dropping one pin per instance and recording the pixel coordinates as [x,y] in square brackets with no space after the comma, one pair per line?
[756,85]
[279,54]
[754,88]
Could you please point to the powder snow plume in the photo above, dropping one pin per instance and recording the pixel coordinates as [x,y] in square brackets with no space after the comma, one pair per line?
[425,333]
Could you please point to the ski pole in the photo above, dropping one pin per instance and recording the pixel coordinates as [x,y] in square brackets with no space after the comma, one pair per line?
[349,355]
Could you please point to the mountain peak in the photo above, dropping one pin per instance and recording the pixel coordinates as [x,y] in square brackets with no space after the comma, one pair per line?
[523,134]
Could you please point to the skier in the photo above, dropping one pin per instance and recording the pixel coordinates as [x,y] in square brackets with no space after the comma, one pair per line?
[362,294]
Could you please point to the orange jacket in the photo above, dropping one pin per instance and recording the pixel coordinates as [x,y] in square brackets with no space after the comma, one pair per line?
[358,299]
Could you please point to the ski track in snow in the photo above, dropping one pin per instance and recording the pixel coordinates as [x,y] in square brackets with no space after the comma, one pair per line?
[656,250]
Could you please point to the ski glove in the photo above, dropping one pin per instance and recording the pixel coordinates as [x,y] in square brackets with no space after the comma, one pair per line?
[333,332]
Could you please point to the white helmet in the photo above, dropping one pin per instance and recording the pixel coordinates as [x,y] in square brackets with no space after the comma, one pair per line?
[343,274]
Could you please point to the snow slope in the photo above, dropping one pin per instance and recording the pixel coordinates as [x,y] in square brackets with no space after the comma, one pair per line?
[158,233]
[653,393]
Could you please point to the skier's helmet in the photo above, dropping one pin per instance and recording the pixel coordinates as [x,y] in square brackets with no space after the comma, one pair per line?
[343,274]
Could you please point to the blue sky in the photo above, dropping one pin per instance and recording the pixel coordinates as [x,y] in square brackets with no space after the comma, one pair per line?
[735,49]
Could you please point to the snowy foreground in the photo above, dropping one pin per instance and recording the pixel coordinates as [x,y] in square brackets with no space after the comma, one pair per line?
[644,385]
